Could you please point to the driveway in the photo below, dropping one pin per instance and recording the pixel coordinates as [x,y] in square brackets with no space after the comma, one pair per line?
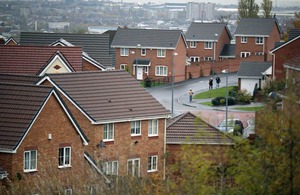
[181,102]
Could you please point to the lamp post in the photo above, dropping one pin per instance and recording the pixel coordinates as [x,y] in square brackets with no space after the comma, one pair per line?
[172,107]
[131,64]
[214,60]
[226,116]
[137,60]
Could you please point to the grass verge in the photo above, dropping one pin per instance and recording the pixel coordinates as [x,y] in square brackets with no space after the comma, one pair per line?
[212,93]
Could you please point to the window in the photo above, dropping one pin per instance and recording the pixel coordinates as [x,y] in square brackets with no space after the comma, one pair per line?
[194,59]
[143,52]
[161,70]
[161,53]
[243,39]
[108,133]
[152,163]
[207,59]
[259,40]
[68,191]
[64,157]
[124,52]
[193,44]
[146,69]
[111,168]
[123,66]
[259,53]
[30,160]
[208,45]
[245,54]
[135,127]
[133,167]
[153,127]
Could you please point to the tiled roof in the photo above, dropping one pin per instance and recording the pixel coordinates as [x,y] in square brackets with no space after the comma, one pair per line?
[256,26]
[147,38]
[96,45]
[188,128]
[205,31]
[107,96]
[293,63]
[19,104]
[21,79]
[293,33]
[228,51]
[253,69]
[32,59]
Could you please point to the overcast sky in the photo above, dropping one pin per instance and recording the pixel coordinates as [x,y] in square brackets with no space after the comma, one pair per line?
[284,3]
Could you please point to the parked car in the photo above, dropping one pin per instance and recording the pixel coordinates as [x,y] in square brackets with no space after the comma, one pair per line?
[230,125]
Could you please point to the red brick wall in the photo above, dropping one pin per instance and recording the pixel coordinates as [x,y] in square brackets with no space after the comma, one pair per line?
[282,55]
[88,66]
[52,120]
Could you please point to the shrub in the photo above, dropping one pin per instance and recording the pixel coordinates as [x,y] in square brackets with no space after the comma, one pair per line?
[231,101]
[233,91]
[223,101]
[147,82]
[215,102]
[244,97]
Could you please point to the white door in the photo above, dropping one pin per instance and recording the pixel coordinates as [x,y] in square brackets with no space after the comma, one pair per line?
[139,73]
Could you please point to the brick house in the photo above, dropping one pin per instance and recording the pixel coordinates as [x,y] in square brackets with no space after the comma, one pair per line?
[39,60]
[205,43]
[284,52]
[40,147]
[124,123]
[186,129]
[255,37]
[151,53]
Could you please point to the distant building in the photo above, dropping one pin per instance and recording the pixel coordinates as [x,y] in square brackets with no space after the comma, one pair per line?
[200,11]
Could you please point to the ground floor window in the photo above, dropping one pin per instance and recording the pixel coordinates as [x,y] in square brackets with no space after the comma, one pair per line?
[133,167]
[64,157]
[161,70]
[30,160]
[111,168]
[152,163]
[245,54]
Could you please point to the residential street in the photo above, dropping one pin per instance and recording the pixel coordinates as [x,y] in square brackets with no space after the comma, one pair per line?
[212,115]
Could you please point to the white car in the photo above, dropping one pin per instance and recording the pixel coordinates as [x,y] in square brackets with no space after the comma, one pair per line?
[230,125]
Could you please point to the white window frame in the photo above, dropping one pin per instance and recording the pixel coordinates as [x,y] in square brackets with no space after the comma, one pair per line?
[64,157]
[136,162]
[193,44]
[124,51]
[153,127]
[194,59]
[161,70]
[152,163]
[208,45]
[30,164]
[135,128]
[143,52]
[123,66]
[243,39]
[207,59]
[259,40]
[244,54]
[111,167]
[161,53]
[108,132]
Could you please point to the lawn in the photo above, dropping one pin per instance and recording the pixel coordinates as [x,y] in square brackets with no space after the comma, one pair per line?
[252,108]
[212,93]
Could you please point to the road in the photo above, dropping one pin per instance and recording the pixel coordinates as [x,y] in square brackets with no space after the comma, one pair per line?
[211,115]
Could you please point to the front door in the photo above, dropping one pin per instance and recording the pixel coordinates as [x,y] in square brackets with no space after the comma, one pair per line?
[139,73]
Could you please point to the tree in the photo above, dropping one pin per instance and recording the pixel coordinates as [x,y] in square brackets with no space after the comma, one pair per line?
[267,8]
[247,9]
[296,20]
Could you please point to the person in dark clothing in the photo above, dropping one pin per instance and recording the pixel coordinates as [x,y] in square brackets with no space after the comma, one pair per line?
[218,81]
[210,83]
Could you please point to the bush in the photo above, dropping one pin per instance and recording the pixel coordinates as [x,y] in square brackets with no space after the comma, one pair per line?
[233,91]
[222,101]
[231,101]
[244,97]
[215,102]
[147,82]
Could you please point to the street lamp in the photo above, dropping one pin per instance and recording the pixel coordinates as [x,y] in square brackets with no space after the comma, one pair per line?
[131,64]
[226,117]
[173,54]
[137,60]
[214,60]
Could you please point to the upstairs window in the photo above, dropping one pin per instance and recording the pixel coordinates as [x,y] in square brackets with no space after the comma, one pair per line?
[259,40]
[193,44]
[108,133]
[64,157]
[124,51]
[153,127]
[161,53]
[135,128]
[243,39]
[208,45]
[143,52]
[30,160]
[194,59]
[244,54]
[207,59]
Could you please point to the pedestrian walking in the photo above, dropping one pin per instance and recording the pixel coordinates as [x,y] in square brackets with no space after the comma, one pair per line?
[191,94]
[218,81]
[210,83]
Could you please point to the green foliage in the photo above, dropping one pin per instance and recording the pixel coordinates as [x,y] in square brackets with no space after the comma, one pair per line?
[222,101]
[147,82]
[247,9]
[296,20]
[244,97]
[212,93]
[233,91]
[267,8]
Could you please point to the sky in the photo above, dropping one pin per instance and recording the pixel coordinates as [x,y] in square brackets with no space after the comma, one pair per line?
[283,3]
